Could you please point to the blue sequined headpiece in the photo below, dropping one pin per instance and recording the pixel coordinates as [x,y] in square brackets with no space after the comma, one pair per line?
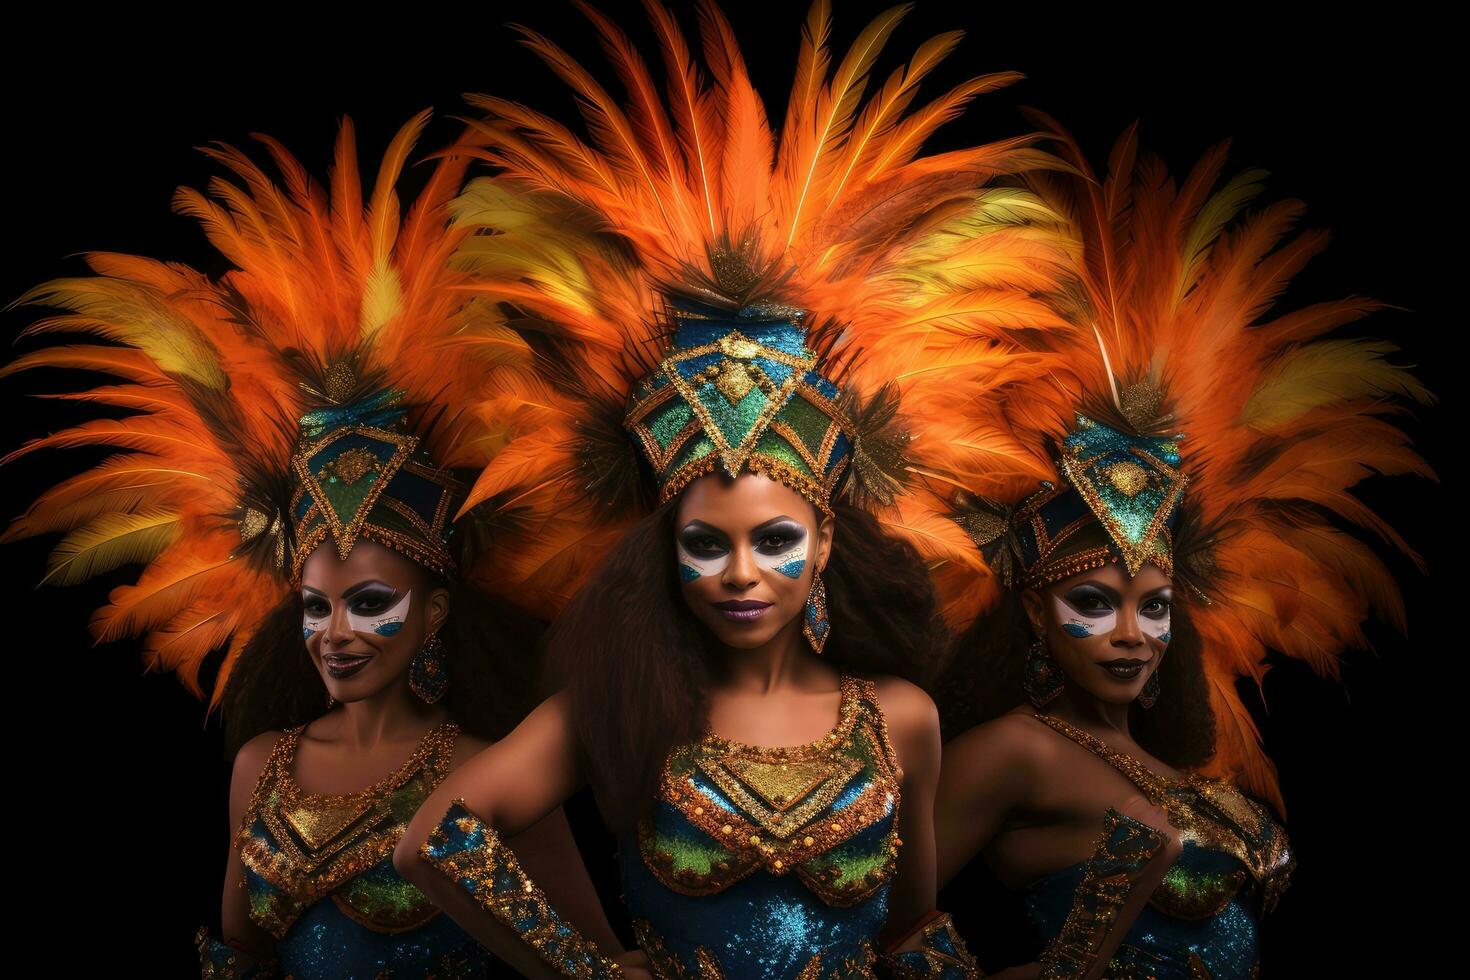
[1119,502]
[361,474]
[740,391]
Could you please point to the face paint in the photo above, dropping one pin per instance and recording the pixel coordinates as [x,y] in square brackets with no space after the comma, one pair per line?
[788,557]
[313,623]
[692,567]
[1153,622]
[1082,623]
[385,623]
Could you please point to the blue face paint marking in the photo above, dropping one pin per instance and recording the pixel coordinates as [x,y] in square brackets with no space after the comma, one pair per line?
[1164,637]
[388,629]
[306,633]
[1076,629]
[793,568]
[687,572]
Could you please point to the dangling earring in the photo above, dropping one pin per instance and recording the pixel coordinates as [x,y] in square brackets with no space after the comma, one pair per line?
[331,701]
[1150,693]
[816,625]
[428,676]
[1044,680]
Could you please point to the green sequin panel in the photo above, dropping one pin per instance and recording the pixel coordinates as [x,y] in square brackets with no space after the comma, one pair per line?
[774,446]
[810,422]
[381,897]
[669,422]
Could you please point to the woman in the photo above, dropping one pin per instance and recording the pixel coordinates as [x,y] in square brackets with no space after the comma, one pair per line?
[347,699]
[1149,571]
[733,671]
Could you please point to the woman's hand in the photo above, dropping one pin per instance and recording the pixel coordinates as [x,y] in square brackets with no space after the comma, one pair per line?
[635,964]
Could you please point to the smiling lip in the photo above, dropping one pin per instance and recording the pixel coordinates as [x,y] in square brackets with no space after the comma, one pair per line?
[742,609]
[341,665]
[1124,668]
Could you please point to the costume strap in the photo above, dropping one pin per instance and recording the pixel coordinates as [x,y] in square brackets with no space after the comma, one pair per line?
[942,954]
[1123,851]
[1155,787]
[470,852]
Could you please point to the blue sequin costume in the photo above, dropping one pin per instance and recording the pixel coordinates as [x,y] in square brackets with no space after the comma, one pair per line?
[769,862]
[1201,922]
[319,870]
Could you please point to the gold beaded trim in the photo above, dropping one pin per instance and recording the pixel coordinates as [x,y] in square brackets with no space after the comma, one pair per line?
[367,825]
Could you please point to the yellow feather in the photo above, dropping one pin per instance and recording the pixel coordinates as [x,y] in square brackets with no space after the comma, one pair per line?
[1325,373]
[108,542]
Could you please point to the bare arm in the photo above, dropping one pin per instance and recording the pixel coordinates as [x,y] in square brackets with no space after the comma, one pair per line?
[510,787]
[996,768]
[986,774]
[913,724]
[236,927]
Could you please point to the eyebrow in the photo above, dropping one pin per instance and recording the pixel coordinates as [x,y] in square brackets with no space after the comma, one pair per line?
[1163,590]
[783,519]
[364,586]
[697,525]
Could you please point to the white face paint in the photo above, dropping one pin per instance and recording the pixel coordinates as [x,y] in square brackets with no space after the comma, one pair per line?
[1080,623]
[787,557]
[313,624]
[1152,622]
[385,623]
[691,568]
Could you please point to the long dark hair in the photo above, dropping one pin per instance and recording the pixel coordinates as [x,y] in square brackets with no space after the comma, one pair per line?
[982,680]
[635,663]
[489,648]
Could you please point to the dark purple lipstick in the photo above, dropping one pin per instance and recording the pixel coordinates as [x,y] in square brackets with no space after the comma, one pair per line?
[341,665]
[1124,668]
[742,610]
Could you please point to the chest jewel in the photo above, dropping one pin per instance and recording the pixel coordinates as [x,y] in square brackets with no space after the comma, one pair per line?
[826,811]
[1197,894]
[299,848]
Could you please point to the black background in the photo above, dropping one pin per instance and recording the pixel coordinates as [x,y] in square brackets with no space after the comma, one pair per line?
[117,780]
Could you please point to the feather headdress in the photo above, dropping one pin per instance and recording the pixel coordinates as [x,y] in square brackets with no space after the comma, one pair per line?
[685,220]
[1194,428]
[302,395]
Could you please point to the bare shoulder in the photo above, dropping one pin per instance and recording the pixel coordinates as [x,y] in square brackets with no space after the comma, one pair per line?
[1014,740]
[251,758]
[467,746]
[908,710]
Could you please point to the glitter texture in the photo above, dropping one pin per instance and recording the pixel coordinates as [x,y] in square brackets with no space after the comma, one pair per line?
[1201,922]
[770,862]
[319,873]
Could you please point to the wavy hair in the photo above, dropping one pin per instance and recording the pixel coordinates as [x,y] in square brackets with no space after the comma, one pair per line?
[635,662]
[488,647]
[983,680]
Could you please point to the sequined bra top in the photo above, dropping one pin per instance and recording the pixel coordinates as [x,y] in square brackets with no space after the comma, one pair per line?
[770,862]
[1201,922]
[319,872]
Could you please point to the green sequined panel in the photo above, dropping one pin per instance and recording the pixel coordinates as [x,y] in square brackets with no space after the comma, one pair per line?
[825,812]
[299,848]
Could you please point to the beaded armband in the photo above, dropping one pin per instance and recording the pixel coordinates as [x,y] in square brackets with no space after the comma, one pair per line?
[942,955]
[220,962]
[1126,846]
[470,852]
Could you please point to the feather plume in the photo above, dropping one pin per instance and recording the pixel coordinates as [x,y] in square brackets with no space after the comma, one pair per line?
[216,370]
[1167,287]
[902,259]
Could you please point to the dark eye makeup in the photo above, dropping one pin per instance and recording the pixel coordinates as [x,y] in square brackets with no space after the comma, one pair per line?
[702,541]
[1156,606]
[365,597]
[782,535]
[1089,600]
